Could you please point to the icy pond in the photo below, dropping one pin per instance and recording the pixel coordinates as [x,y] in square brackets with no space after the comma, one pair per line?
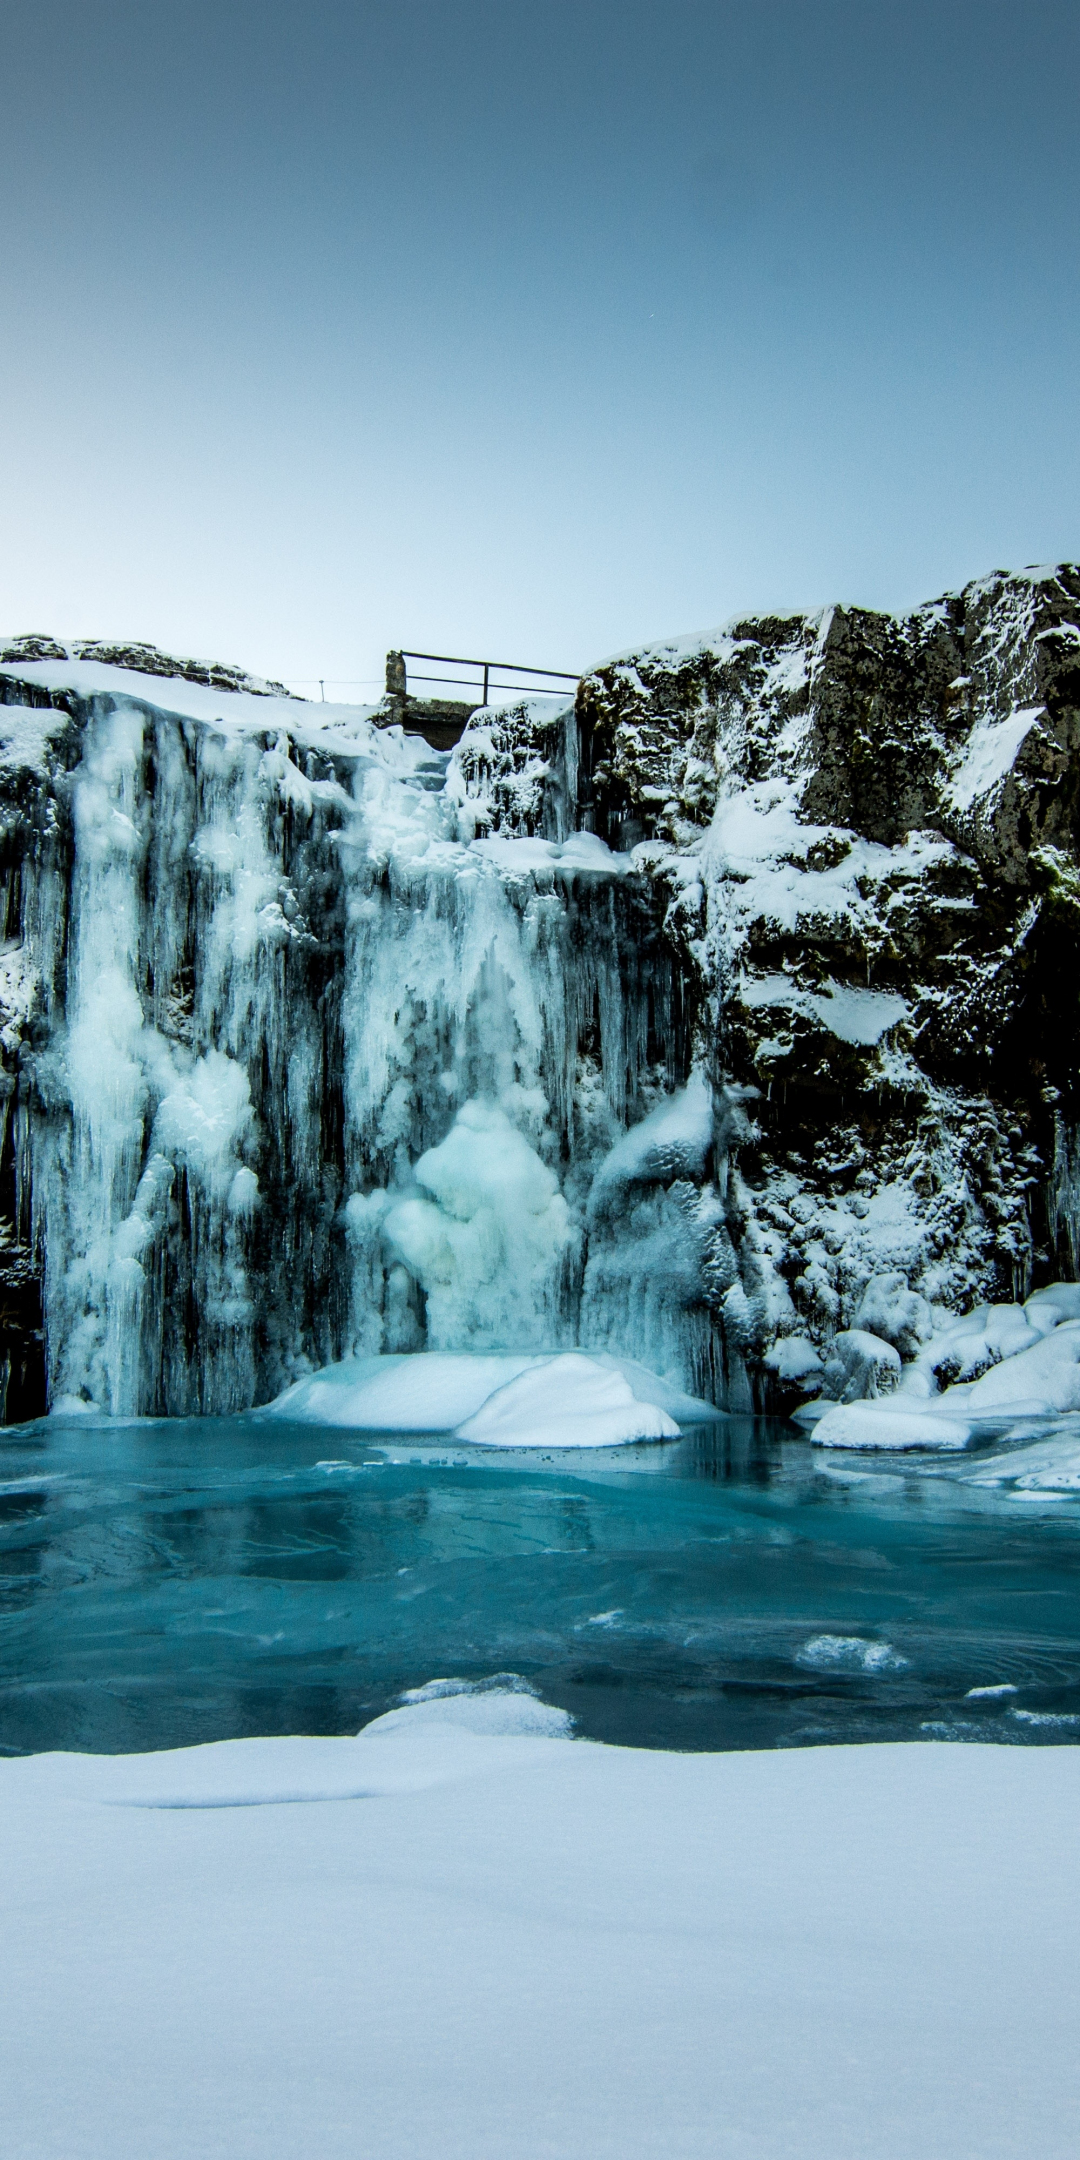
[164,1583]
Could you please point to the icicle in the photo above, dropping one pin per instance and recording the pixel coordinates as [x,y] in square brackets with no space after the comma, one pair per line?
[1063,1192]
[318,1073]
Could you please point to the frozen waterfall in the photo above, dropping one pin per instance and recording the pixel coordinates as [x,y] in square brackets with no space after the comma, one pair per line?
[332,1056]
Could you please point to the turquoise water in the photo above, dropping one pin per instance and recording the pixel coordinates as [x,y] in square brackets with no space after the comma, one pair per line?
[163,1583]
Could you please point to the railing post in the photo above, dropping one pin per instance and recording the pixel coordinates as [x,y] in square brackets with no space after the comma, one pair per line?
[486,664]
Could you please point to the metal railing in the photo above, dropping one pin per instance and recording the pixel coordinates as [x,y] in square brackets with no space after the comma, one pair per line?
[486,670]
[399,679]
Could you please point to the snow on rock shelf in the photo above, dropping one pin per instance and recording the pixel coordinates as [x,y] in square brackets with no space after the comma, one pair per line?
[721,1020]
[464,1935]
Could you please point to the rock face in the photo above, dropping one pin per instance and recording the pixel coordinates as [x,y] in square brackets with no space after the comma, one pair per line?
[868,832]
[751,982]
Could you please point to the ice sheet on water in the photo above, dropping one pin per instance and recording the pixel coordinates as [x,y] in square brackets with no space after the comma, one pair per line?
[1050,1465]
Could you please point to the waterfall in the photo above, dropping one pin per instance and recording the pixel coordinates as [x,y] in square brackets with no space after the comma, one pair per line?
[1063,1195]
[330,1057]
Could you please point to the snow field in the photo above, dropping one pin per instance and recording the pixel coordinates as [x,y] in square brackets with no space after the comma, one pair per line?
[462,1936]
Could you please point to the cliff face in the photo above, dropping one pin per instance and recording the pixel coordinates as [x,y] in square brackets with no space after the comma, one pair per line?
[867,829]
[748,988]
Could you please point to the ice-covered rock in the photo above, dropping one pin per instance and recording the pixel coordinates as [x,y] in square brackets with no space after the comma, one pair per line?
[795,1363]
[1058,1301]
[898,1315]
[897,1425]
[720,1013]
[861,1365]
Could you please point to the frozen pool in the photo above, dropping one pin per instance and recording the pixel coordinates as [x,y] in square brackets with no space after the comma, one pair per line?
[165,1583]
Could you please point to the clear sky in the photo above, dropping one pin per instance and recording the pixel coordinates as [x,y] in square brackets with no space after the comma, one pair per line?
[532,328]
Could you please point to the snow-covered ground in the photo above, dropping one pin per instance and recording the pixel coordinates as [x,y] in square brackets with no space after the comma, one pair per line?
[466,1936]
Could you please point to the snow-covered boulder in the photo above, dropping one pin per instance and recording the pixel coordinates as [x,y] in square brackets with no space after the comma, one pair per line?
[899,1315]
[861,1365]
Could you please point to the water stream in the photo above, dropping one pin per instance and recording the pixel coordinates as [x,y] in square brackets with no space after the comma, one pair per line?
[168,1582]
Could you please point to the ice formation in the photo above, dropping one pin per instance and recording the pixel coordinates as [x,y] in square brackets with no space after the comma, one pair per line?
[716,1021]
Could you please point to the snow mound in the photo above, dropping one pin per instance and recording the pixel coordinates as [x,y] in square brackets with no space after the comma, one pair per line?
[501,1708]
[428,1391]
[1004,1363]
[570,1402]
[573,1399]
[1048,1374]
[885,1425]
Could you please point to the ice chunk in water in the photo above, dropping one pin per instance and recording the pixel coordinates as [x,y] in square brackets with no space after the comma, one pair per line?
[850,1653]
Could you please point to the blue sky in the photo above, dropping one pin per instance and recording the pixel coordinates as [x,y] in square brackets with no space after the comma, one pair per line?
[533,330]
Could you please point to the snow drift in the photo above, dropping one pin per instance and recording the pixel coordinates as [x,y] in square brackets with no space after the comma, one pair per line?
[464,1935]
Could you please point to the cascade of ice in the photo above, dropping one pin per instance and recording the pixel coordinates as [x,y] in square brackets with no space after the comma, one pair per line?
[316,1070]
[498,987]
[1063,1194]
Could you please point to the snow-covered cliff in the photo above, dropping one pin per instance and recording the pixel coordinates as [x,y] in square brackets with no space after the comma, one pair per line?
[701,1025]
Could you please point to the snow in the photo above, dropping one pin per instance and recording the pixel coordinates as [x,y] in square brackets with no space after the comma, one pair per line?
[990,756]
[1058,1301]
[860,1365]
[1048,1374]
[755,862]
[580,851]
[793,1358]
[889,1309]
[26,732]
[994,1367]
[19,987]
[438,1942]
[885,1424]
[573,1399]
[430,1392]
[570,1402]
[673,1141]
[852,1015]
[313,724]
